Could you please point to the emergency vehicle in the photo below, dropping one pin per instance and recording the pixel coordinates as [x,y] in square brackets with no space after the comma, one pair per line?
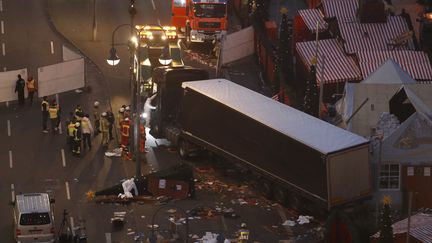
[200,20]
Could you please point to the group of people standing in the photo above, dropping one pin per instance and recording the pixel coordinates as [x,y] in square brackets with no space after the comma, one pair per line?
[51,111]
[80,128]
[31,89]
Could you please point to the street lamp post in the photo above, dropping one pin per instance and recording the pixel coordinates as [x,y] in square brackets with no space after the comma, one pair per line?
[135,80]
[113,60]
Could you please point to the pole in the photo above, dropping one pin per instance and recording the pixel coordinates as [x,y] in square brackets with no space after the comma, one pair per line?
[137,110]
[321,87]
[410,195]
[94,20]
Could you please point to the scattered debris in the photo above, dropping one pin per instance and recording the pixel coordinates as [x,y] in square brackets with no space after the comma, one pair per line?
[304,219]
[118,220]
[289,223]
[128,186]
[117,152]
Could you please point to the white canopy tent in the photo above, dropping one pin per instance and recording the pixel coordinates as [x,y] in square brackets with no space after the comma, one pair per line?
[375,92]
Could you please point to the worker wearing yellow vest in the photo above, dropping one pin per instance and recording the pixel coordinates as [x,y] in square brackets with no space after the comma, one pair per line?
[77,140]
[104,127]
[53,115]
[70,133]
[78,113]
[243,234]
[45,114]
[31,88]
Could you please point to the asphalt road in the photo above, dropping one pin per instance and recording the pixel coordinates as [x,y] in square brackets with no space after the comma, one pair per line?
[36,162]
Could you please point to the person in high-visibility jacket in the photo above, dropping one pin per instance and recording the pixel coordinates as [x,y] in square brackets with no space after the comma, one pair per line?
[243,234]
[79,113]
[53,115]
[104,127]
[70,133]
[77,140]
[124,130]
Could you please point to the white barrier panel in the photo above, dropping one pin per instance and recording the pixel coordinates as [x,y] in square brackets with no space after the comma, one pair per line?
[61,77]
[238,45]
[7,84]
[69,54]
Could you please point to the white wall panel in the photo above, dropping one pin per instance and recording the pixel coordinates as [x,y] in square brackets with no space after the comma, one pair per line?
[7,84]
[61,77]
[238,45]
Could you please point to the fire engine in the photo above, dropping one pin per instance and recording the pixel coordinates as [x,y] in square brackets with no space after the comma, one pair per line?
[200,20]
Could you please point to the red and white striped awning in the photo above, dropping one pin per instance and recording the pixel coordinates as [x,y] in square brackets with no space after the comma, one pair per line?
[311,17]
[415,63]
[343,10]
[337,67]
[373,36]
[423,234]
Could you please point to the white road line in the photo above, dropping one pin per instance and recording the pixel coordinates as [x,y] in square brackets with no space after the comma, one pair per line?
[52,47]
[63,158]
[7,102]
[1,6]
[3,49]
[13,192]
[67,190]
[153,4]
[72,226]
[9,128]
[2,26]
[10,159]
[159,21]
[108,237]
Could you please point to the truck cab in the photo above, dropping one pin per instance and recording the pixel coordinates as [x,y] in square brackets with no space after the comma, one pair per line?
[166,103]
[200,20]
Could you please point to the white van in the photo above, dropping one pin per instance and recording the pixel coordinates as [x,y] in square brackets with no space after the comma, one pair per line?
[33,218]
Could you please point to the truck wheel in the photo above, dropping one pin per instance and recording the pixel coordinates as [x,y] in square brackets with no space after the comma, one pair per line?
[265,188]
[182,149]
[281,195]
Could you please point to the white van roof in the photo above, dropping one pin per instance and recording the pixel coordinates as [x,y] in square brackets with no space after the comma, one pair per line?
[33,203]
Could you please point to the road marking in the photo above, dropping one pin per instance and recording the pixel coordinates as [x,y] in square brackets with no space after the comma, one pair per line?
[7,102]
[159,22]
[52,47]
[72,226]
[108,237]
[1,6]
[8,127]
[67,190]
[63,158]
[2,26]
[153,4]
[3,49]
[10,159]
[13,192]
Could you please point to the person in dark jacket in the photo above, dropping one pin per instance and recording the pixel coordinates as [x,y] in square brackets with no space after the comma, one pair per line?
[19,87]
[45,114]
[111,120]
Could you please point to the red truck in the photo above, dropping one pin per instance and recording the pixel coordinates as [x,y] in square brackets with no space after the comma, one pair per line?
[200,20]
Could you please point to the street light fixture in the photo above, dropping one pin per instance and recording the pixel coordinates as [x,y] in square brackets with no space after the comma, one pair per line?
[165,58]
[113,58]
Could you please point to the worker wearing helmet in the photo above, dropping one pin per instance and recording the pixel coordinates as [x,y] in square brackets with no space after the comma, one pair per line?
[120,115]
[71,133]
[243,233]
[96,118]
[77,140]
[104,128]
